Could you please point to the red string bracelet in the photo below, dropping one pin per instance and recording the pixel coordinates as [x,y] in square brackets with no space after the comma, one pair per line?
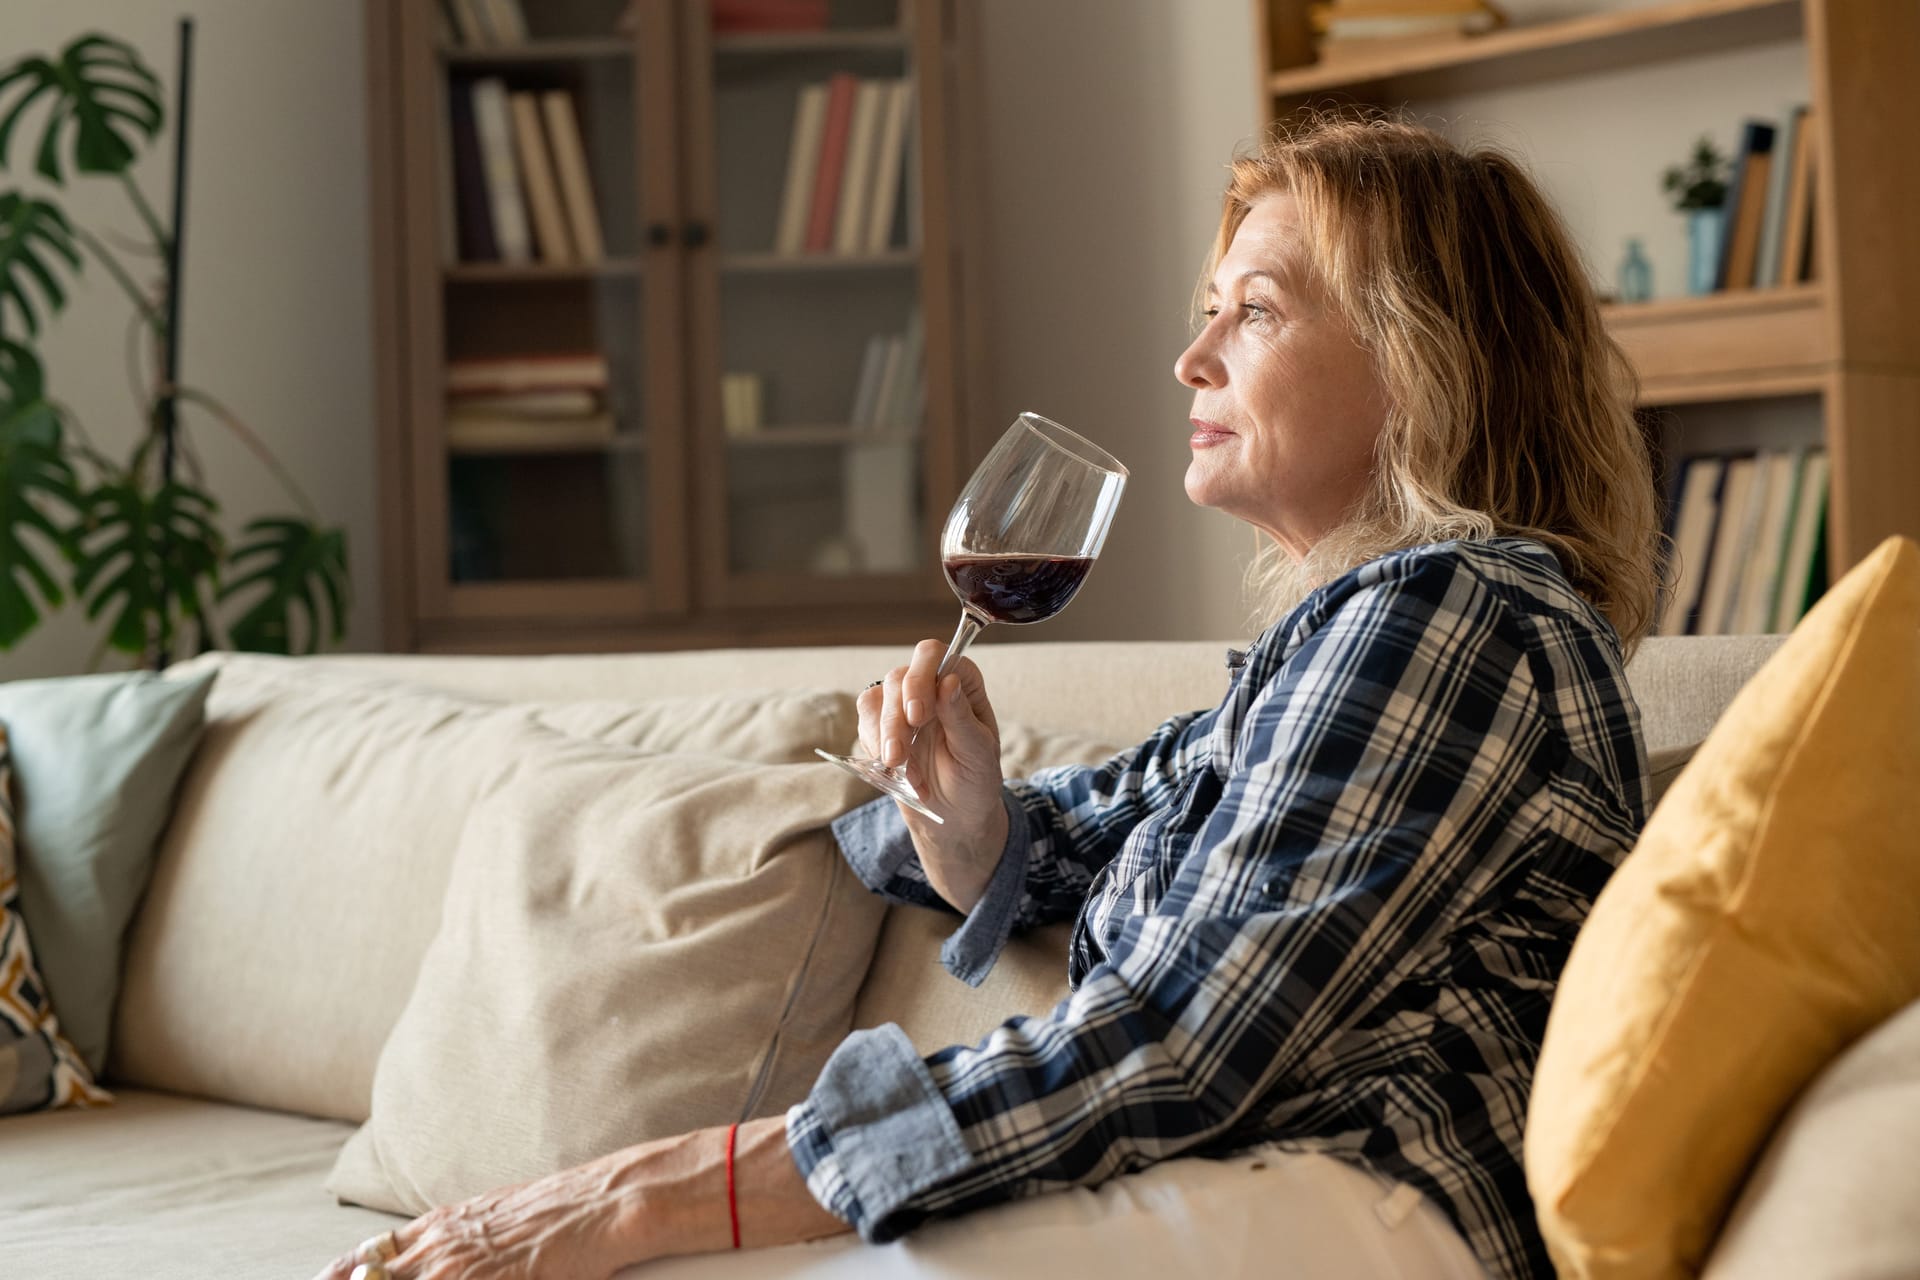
[733,1207]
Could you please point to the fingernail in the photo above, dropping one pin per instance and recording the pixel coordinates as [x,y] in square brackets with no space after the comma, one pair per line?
[916,710]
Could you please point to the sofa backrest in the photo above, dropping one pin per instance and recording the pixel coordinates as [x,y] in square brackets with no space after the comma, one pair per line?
[1115,691]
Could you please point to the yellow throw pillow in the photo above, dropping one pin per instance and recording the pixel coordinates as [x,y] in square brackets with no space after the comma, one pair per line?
[1769,915]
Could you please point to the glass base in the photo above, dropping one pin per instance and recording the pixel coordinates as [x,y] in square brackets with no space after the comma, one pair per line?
[892,781]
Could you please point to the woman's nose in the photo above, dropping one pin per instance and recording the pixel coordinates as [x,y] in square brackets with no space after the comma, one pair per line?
[1199,366]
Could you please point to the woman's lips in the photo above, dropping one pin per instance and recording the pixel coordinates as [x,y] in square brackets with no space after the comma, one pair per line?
[1206,433]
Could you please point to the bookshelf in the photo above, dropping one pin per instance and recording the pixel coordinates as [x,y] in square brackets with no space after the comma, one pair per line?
[560,470]
[1848,342]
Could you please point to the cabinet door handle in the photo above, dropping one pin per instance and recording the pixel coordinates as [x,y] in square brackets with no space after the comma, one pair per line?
[659,235]
[694,234]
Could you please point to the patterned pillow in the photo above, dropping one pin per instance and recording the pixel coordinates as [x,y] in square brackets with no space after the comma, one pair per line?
[38,1068]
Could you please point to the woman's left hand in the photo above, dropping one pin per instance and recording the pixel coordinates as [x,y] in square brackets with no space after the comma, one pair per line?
[555,1228]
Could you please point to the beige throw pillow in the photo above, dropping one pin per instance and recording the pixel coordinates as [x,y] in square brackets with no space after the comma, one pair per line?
[299,880]
[631,947]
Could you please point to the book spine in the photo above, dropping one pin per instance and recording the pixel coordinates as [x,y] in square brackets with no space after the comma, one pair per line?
[543,190]
[508,22]
[576,181]
[833,161]
[1756,138]
[475,25]
[1796,249]
[473,214]
[904,413]
[890,374]
[503,176]
[803,159]
[1766,270]
[887,168]
[868,387]
[856,182]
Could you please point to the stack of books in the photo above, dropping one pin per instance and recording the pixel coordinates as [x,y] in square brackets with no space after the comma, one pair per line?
[481,24]
[1769,209]
[1749,542]
[521,190]
[845,164]
[1364,30]
[528,402]
[890,398]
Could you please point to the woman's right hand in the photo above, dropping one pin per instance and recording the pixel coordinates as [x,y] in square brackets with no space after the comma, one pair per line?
[954,764]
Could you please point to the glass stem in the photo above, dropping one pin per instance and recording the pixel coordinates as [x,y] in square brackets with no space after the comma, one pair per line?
[963,636]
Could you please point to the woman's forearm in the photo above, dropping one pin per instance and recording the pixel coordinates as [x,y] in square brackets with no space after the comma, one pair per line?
[673,1194]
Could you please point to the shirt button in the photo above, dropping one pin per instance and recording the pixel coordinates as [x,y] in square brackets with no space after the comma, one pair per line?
[1271,888]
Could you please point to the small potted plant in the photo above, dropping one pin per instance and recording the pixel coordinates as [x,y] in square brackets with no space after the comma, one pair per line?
[1699,190]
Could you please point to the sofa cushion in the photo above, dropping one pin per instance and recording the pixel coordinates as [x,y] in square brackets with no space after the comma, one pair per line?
[96,760]
[300,880]
[1837,1192]
[1764,920]
[39,1067]
[632,946]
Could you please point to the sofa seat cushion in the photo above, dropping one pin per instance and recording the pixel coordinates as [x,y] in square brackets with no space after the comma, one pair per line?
[172,1188]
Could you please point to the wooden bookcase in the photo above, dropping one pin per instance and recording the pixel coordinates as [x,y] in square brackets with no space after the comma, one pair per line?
[674,533]
[1852,338]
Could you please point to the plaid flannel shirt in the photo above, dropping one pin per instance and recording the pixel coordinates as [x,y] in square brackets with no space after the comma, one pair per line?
[1329,913]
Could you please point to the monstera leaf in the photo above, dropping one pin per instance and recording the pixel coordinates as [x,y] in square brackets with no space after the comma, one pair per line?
[100,88]
[33,476]
[296,558]
[32,232]
[122,531]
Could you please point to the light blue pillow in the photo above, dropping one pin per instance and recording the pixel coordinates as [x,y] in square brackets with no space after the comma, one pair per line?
[95,763]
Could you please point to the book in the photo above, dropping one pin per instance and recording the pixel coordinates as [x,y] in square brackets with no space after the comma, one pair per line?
[471,430]
[508,21]
[867,388]
[769,15]
[890,159]
[576,181]
[856,180]
[740,400]
[1752,608]
[803,159]
[476,28]
[1766,269]
[473,215]
[1694,517]
[833,161]
[1724,564]
[1797,564]
[890,373]
[446,31]
[555,243]
[564,402]
[499,375]
[1745,192]
[1796,239]
[493,121]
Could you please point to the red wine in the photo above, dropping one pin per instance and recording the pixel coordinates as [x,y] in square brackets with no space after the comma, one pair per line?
[1017,588]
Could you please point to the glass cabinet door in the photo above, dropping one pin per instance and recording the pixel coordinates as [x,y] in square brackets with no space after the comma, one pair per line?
[551,482]
[809,346]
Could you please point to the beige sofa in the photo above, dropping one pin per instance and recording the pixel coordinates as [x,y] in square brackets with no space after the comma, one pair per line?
[162,1184]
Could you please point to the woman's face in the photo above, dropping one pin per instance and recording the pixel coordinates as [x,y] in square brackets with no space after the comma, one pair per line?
[1286,406]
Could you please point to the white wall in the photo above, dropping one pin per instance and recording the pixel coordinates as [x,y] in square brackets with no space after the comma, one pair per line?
[276,301]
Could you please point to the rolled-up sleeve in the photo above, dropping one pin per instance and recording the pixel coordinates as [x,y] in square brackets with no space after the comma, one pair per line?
[1391,771]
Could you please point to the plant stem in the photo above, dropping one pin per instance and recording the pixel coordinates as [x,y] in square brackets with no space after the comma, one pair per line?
[152,219]
[119,273]
[248,437]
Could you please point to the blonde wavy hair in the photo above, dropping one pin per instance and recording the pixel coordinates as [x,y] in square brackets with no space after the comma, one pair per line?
[1510,409]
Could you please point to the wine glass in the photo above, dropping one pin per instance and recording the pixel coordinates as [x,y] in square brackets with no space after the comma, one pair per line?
[1017,546]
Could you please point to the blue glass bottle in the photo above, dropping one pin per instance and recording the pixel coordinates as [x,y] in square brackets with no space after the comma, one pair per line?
[1635,276]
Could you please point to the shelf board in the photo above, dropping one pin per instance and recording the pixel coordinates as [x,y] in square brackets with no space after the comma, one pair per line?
[538,51]
[770,263]
[1572,46]
[525,272]
[849,38]
[1740,344]
[833,434]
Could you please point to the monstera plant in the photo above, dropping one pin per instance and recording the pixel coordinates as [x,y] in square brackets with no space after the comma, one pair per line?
[134,541]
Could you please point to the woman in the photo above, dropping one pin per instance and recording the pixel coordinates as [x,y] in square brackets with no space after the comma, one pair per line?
[1330,912]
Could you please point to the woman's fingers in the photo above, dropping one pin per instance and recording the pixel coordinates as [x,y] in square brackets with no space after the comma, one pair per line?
[918,687]
[894,733]
[868,704]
